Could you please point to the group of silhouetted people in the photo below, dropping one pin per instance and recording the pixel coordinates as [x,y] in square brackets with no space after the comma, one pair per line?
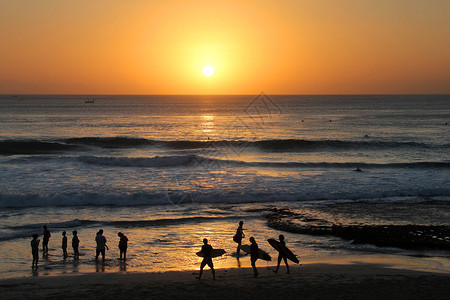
[254,252]
[206,250]
[99,239]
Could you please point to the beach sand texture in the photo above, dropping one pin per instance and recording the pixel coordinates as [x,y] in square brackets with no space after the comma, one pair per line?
[311,281]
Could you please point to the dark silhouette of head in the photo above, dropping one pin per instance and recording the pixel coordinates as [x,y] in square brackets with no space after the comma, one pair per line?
[120,234]
[241,223]
[45,226]
[35,236]
[205,241]
[100,231]
[64,233]
[74,232]
[252,240]
[281,237]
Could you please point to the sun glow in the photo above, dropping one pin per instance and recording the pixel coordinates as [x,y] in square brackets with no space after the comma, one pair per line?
[208,70]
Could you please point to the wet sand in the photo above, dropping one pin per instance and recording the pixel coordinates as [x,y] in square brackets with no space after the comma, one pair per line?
[310,281]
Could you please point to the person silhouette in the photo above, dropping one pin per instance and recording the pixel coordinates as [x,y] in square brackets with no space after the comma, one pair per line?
[101,245]
[238,237]
[123,245]
[254,255]
[75,244]
[35,250]
[64,244]
[45,240]
[282,254]
[207,259]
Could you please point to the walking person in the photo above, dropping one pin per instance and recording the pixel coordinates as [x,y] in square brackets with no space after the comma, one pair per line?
[254,255]
[238,237]
[282,254]
[207,259]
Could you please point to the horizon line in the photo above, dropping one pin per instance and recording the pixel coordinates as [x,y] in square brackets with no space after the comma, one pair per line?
[246,94]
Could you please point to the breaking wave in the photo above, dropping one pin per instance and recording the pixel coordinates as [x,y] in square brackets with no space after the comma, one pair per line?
[18,147]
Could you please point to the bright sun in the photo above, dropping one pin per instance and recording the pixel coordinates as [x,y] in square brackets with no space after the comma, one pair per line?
[208,70]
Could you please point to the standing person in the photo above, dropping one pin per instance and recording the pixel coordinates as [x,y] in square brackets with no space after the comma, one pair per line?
[123,245]
[45,240]
[75,244]
[101,245]
[35,250]
[64,244]
[282,254]
[239,236]
[207,259]
[254,255]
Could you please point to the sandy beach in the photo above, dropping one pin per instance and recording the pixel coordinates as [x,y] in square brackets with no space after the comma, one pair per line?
[310,281]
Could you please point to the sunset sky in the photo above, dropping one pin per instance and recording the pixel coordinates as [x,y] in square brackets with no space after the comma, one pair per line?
[279,47]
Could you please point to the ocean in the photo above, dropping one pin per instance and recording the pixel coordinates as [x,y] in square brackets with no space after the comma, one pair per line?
[169,171]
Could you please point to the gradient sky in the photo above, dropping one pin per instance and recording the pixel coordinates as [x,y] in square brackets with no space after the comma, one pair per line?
[279,47]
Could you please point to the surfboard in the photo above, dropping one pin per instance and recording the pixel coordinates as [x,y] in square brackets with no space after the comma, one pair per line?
[214,253]
[276,244]
[261,253]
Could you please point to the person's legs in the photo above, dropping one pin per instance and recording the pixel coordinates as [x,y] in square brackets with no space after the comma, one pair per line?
[255,271]
[125,254]
[210,264]
[97,252]
[278,263]
[238,250]
[285,261]
[35,260]
[202,265]
[103,254]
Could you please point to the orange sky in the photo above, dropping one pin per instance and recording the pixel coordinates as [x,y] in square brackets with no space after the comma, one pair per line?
[279,47]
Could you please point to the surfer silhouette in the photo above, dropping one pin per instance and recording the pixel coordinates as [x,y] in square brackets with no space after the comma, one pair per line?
[64,244]
[207,259]
[123,245]
[239,236]
[45,240]
[101,245]
[75,244]
[35,250]
[254,255]
[282,254]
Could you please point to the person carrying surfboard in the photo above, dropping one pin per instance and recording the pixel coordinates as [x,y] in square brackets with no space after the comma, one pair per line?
[239,236]
[282,254]
[254,255]
[207,259]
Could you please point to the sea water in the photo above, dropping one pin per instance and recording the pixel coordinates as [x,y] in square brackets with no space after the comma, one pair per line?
[169,171]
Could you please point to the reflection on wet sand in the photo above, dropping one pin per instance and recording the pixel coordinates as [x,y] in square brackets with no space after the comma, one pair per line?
[99,267]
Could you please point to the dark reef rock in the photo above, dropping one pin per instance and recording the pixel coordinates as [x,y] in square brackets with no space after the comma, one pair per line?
[400,236]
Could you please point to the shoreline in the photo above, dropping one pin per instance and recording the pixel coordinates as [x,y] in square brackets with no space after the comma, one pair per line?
[310,281]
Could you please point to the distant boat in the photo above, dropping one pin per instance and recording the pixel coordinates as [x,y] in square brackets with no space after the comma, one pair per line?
[89,101]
